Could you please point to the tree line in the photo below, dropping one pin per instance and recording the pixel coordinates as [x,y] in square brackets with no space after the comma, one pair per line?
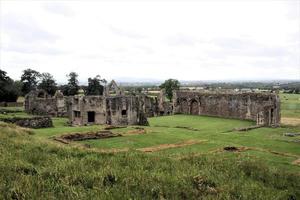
[31,79]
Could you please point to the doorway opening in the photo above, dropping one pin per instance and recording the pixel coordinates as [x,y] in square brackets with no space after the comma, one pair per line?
[91,116]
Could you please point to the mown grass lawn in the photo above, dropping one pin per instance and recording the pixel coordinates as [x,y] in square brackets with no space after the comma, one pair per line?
[268,144]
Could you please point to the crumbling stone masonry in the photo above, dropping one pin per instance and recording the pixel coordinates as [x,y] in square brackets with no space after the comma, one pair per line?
[150,105]
[116,108]
[264,108]
[164,107]
[38,102]
[30,122]
[112,110]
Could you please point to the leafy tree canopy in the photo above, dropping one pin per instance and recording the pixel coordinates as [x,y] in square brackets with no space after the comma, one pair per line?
[170,85]
[72,86]
[9,90]
[95,86]
[47,83]
[29,79]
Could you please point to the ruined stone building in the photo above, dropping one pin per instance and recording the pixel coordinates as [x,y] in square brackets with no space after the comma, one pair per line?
[264,108]
[114,108]
[38,102]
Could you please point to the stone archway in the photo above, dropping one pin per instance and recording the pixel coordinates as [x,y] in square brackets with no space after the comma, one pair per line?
[194,108]
[184,107]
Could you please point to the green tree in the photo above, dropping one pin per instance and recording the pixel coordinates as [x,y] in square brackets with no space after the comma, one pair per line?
[64,89]
[9,90]
[170,85]
[29,79]
[72,87]
[94,86]
[48,83]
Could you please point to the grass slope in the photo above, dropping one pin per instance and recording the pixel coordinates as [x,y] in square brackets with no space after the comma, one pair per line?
[33,168]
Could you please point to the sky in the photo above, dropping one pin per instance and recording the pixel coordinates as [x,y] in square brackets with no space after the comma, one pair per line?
[152,40]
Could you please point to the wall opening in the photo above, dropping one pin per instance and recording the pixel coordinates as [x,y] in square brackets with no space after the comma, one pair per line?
[272,116]
[258,119]
[91,116]
[77,114]
[124,112]
[41,95]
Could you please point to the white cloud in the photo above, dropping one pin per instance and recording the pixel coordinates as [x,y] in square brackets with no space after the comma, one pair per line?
[152,40]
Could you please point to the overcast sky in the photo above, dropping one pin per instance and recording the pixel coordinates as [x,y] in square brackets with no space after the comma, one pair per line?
[151,40]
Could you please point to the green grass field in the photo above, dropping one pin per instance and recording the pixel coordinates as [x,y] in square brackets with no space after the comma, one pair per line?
[34,166]
[290,105]
[211,132]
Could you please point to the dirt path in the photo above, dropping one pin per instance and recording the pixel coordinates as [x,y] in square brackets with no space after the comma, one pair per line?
[168,146]
[242,149]
[113,150]
[290,121]
[135,131]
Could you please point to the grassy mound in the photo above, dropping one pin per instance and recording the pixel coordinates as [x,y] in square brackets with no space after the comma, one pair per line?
[34,168]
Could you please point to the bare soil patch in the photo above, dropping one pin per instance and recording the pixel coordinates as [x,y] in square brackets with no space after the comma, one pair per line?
[113,150]
[168,146]
[297,162]
[240,149]
[235,149]
[290,121]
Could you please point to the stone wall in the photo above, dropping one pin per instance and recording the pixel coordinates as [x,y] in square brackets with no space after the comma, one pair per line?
[30,122]
[149,105]
[164,107]
[264,108]
[38,102]
[113,110]
[11,104]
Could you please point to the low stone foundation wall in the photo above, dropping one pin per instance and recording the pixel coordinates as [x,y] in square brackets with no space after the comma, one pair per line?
[5,111]
[34,122]
[11,104]
[67,138]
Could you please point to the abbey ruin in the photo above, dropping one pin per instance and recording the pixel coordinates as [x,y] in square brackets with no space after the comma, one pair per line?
[264,108]
[115,107]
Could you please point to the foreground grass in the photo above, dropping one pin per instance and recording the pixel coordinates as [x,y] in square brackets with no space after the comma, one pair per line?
[32,168]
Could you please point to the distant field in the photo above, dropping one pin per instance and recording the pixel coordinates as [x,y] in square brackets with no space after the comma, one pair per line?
[290,105]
